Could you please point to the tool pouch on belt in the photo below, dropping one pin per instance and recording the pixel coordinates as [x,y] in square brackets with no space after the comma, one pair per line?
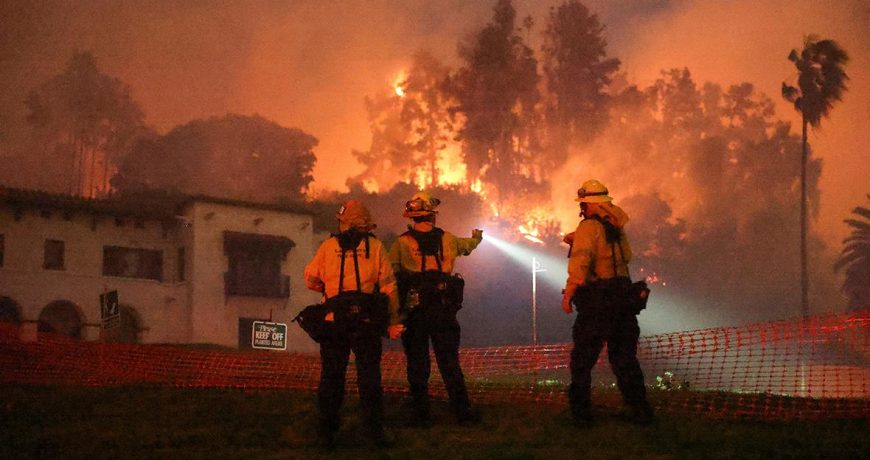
[359,312]
[431,289]
[353,312]
[638,294]
[612,295]
[588,298]
[312,320]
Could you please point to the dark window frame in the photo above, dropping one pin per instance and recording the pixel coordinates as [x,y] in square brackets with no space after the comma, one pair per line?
[54,255]
[254,265]
[136,263]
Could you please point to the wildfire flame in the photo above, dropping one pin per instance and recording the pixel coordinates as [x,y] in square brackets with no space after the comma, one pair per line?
[450,170]
[399,83]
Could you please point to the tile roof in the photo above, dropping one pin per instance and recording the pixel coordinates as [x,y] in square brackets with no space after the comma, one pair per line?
[154,204]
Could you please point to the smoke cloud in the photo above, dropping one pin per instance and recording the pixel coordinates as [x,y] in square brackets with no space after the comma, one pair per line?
[309,64]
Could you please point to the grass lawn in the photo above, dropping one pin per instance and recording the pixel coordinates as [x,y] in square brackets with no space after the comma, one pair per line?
[157,422]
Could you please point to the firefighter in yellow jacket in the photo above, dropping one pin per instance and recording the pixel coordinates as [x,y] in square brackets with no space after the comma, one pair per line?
[423,259]
[597,284]
[350,269]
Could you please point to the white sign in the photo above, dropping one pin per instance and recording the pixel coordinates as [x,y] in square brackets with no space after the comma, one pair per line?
[269,336]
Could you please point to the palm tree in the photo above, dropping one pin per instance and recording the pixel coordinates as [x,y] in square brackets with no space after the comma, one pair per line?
[856,259]
[821,82]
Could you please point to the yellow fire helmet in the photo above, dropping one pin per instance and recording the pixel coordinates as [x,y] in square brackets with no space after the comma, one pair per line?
[421,204]
[593,191]
[355,214]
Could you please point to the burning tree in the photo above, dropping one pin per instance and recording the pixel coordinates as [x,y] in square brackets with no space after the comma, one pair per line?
[496,92]
[706,171]
[412,131]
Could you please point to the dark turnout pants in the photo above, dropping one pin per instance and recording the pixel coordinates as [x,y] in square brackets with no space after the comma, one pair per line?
[334,356]
[443,330]
[619,329]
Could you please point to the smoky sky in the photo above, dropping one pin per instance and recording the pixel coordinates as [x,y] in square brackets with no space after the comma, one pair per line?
[309,64]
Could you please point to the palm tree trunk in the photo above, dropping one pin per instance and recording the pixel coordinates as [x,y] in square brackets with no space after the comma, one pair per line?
[805,304]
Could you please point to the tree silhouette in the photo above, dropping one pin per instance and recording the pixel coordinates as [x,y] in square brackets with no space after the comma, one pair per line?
[821,82]
[496,91]
[234,156]
[88,119]
[411,129]
[855,258]
[578,74]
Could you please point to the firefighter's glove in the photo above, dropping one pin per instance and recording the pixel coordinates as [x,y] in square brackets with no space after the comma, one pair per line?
[477,234]
[315,284]
[566,304]
[567,294]
[395,331]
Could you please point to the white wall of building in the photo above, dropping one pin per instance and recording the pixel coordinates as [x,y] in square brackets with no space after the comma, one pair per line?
[215,316]
[24,280]
[193,310]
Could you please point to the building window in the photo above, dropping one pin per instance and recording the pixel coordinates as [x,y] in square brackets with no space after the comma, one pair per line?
[254,263]
[53,259]
[181,264]
[133,263]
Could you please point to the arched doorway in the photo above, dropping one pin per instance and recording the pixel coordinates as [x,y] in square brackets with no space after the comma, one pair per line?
[10,311]
[61,317]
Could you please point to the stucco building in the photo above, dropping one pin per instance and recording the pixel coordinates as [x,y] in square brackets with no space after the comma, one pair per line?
[187,269]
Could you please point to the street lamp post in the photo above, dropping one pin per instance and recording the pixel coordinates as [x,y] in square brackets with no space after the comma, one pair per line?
[536,268]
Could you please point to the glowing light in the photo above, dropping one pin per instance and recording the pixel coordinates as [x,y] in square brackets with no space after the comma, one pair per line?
[399,82]
[476,186]
[556,268]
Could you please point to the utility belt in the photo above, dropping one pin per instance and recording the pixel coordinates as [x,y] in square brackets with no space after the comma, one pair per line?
[611,295]
[430,289]
[354,312]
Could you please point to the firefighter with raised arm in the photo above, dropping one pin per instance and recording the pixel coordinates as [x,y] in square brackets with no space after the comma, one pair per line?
[423,259]
[597,283]
[353,272]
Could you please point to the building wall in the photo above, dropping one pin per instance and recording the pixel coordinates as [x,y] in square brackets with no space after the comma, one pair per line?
[24,280]
[193,310]
[215,316]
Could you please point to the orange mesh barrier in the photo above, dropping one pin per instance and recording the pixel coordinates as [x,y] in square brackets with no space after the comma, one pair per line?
[800,369]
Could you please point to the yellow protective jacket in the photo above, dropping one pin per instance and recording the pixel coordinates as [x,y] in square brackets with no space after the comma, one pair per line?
[405,253]
[322,274]
[591,257]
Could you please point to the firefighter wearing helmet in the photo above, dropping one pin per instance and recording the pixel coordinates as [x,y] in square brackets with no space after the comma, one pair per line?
[352,270]
[423,259]
[598,277]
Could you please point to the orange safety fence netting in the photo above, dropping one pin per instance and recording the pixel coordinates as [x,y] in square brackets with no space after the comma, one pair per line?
[811,368]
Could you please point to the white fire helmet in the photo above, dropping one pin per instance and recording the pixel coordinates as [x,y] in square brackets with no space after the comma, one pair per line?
[421,204]
[593,191]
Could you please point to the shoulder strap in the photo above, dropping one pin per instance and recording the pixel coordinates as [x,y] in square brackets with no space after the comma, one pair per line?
[430,244]
[355,267]
[613,235]
[622,256]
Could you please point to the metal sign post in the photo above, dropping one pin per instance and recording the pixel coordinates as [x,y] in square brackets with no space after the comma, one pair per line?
[536,268]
